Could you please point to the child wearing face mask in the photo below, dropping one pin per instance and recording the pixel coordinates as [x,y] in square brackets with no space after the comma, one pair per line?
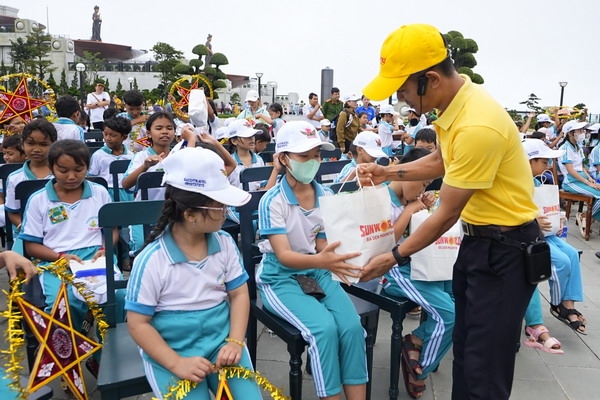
[297,251]
[576,177]
[414,126]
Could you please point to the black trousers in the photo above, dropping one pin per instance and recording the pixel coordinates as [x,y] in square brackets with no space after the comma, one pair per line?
[491,295]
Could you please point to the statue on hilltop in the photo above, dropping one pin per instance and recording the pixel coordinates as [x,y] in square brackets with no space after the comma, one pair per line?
[96,24]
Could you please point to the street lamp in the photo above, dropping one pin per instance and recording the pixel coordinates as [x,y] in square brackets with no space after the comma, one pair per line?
[130,80]
[259,75]
[273,86]
[80,67]
[562,91]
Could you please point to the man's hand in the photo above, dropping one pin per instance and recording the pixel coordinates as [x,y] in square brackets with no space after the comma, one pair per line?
[371,174]
[378,266]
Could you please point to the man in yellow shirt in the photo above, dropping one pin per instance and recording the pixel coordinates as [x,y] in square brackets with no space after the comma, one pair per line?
[482,161]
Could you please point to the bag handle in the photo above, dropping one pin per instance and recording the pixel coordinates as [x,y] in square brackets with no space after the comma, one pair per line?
[357,179]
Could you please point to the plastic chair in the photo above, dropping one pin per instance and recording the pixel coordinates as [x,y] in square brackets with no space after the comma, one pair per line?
[336,153]
[121,371]
[94,135]
[115,169]
[255,174]
[329,168]
[288,333]
[5,171]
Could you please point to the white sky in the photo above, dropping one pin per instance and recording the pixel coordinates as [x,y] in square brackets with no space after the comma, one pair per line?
[525,46]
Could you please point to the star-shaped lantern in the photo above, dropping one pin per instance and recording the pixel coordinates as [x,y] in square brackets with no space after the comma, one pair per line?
[62,348]
[19,104]
[185,94]
[223,391]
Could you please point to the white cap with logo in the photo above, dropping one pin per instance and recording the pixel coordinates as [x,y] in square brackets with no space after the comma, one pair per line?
[199,170]
[241,128]
[536,148]
[298,137]
[371,142]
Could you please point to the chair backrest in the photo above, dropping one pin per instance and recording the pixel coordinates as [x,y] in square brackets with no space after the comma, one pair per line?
[114,215]
[250,255]
[99,180]
[349,186]
[336,153]
[148,180]
[25,189]
[254,174]
[270,147]
[329,168]
[267,156]
[116,168]
[94,134]
[5,171]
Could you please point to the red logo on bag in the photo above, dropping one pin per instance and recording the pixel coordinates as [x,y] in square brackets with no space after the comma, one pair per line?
[370,229]
[449,240]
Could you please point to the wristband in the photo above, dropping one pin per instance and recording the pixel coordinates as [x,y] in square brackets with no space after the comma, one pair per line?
[401,260]
[231,340]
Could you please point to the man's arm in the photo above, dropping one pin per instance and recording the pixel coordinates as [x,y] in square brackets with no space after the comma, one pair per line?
[452,202]
[429,167]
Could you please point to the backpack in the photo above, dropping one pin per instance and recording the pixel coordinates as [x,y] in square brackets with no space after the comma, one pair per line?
[332,132]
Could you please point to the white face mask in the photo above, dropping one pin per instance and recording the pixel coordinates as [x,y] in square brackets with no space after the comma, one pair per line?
[579,137]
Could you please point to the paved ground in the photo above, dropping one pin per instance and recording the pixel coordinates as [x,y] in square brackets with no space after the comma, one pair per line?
[573,375]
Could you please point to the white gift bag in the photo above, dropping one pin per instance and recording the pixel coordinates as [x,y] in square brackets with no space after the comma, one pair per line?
[198,108]
[546,198]
[360,221]
[436,261]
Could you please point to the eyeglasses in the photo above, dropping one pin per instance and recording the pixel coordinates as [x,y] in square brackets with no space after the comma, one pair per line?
[222,209]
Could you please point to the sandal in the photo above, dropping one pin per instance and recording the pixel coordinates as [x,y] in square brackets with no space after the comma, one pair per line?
[415,312]
[412,389]
[562,313]
[550,345]
[410,363]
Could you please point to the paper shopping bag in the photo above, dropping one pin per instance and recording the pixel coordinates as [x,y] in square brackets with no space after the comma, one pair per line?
[360,221]
[436,261]
[546,198]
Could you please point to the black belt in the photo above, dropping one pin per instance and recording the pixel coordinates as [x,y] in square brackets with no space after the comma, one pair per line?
[495,232]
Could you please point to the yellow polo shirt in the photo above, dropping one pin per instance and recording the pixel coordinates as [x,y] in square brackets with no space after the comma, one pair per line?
[482,150]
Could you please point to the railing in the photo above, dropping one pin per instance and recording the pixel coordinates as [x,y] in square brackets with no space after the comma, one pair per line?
[148,66]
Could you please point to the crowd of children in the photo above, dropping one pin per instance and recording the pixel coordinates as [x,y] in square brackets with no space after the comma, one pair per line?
[172,281]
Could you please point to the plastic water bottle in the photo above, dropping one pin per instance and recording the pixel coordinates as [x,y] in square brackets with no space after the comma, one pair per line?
[563,220]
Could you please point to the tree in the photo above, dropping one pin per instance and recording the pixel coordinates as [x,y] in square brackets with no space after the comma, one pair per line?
[20,53]
[63,86]
[167,58]
[52,83]
[212,71]
[93,63]
[39,49]
[461,51]
[532,103]
[119,86]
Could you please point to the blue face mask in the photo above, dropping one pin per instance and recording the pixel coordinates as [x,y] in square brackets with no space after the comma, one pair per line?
[304,172]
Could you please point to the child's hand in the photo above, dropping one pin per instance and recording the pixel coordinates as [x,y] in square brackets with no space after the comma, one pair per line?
[194,369]
[415,206]
[70,257]
[277,165]
[99,253]
[428,198]
[544,223]
[153,160]
[14,261]
[187,132]
[207,138]
[230,354]
[140,120]
[336,262]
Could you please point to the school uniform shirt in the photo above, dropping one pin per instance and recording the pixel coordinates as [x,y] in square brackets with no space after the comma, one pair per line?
[100,166]
[67,129]
[345,171]
[138,131]
[385,132]
[136,162]
[11,204]
[62,226]
[279,212]
[163,279]
[234,177]
[594,162]
[572,156]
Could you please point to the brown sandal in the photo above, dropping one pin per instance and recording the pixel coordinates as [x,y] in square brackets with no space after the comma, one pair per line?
[410,363]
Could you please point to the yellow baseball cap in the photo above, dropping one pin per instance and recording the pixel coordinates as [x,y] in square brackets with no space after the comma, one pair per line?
[407,50]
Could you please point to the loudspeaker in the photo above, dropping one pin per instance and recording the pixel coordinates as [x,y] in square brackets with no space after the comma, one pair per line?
[422,85]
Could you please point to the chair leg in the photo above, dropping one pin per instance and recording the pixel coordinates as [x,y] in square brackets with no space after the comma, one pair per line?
[395,353]
[295,350]
[251,339]
[568,208]
[588,220]
[371,322]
